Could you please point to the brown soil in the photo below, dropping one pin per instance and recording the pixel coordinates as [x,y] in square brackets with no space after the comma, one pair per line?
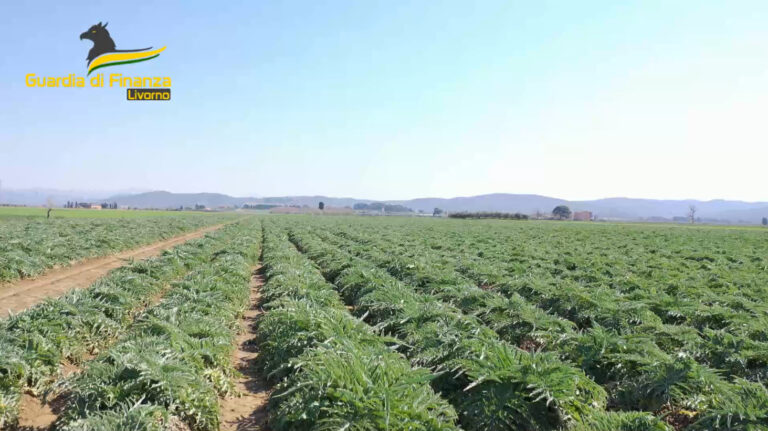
[247,411]
[678,419]
[20,295]
[37,414]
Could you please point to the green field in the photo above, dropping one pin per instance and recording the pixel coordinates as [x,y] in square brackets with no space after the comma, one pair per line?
[564,325]
[389,323]
[34,212]
[31,245]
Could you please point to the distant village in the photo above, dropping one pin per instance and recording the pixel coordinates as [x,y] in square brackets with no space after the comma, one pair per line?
[93,206]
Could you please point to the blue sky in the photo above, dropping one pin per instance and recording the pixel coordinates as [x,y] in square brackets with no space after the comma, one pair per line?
[396,99]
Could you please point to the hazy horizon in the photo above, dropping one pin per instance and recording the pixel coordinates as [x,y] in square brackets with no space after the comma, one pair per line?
[395,100]
[131,191]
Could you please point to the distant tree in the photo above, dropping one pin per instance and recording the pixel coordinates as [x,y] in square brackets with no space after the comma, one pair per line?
[49,204]
[538,215]
[765,221]
[393,208]
[692,213]
[321,206]
[437,212]
[562,212]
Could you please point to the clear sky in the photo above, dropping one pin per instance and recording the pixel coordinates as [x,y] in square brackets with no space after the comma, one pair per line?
[396,99]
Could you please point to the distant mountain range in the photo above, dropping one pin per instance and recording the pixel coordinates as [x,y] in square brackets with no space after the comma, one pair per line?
[611,208]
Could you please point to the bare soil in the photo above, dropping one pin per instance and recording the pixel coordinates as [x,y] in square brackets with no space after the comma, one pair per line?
[20,295]
[678,419]
[36,414]
[248,411]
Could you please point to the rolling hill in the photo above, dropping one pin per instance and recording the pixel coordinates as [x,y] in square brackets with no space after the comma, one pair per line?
[609,208]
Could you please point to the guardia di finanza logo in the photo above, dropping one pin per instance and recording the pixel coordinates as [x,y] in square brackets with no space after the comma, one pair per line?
[104,52]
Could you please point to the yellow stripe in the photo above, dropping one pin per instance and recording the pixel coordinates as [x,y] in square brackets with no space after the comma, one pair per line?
[122,56]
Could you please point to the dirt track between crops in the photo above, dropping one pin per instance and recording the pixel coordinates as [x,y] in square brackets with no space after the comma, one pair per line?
[20,295]
[248,411]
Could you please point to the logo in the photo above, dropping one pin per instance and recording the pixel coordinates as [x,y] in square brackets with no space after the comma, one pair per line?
[104,52]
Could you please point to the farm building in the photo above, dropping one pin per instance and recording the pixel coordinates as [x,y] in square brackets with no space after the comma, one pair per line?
[582,215]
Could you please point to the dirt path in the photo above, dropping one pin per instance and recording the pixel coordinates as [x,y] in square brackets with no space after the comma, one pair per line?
[20,295]
[247,412]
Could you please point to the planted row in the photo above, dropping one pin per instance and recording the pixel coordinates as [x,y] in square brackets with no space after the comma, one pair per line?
[34,343]
[631,324]
[492,384]
[511,316]
[175,360]
[28,246]
[637,373]
[687,290]
[333,371]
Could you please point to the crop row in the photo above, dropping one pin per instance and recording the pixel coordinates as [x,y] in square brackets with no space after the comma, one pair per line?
[29,247]
[334,372]
[706,279]
[735,347]
[492,384]
[637,374]
[34,343]
[174,362]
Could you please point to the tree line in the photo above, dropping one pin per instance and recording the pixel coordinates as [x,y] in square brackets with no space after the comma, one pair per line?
[104,205]
[483,214]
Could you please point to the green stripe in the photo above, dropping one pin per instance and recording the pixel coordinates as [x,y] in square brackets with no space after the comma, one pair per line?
[117,63]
